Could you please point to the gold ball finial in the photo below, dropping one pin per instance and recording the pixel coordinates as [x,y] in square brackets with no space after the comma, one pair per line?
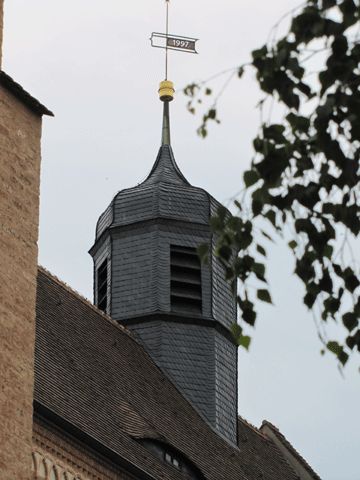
[166,91]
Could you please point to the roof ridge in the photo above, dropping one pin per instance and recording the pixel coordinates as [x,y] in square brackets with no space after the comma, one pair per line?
[283,439]
[250,425]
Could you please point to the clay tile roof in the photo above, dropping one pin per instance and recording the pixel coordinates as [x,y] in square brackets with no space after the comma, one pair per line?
[291,449]
[93,374]
[255,445]
[17,90]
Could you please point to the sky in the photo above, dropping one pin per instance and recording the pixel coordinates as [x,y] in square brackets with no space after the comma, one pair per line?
[92,64]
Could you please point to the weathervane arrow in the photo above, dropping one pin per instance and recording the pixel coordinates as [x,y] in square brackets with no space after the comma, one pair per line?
[172,42]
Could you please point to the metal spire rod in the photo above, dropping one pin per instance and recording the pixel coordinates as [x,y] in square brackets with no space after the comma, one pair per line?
[165,137]
[167,34]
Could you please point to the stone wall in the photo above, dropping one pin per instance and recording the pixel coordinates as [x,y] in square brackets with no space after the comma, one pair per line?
[20,132]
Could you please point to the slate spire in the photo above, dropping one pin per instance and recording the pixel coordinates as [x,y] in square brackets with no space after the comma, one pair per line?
[148,276]
[165,168]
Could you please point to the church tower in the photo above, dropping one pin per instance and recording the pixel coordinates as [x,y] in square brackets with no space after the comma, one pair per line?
[148,276]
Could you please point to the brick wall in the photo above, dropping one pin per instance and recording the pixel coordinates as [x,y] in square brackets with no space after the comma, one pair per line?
[56,455]
[1,28]
[20,132]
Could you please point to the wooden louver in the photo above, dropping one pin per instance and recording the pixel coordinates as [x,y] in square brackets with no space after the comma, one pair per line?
[102,284]
[185,288]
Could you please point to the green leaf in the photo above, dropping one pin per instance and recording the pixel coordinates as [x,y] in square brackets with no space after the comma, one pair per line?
[202,131]
[334,347]
[271,216]
[238,205]
[259,53]
[261,250]
[249,316]
[292,244]
[266,235]
[351,280]
[275,132]
[326,283]
[259,270]
[331,305]
[343,357]
[298,123]
[248,312]
[212,114]
[328,251]
[236,331]
[338,350]
[224,252]
[350,321]
[243,240]
[222,212]
[259,144]
[203,252]
[309,300]
[329,3]
[264,296]
[244,341]
[250,178]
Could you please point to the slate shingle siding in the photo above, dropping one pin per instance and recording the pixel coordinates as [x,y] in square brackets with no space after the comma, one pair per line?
[223,300]
[105,220]
[225,353]
[135,204]
[134,281]
[150,336]
[145,221]
[186,354]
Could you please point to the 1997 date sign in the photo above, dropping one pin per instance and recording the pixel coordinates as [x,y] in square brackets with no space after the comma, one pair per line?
[174,42]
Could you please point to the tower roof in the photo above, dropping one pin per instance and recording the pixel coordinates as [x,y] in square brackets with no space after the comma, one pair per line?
[165,193]
[165,169]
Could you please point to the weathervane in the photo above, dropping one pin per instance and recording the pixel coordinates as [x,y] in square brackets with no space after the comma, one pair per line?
[170,42]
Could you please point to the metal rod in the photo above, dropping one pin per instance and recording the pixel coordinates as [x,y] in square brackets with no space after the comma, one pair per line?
[165,140]
[167,33]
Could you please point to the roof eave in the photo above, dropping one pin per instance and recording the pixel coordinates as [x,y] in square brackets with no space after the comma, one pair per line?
[66,426]
[17,90]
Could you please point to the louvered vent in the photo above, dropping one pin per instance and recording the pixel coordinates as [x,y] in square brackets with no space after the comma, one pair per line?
[102,284]
[185,280]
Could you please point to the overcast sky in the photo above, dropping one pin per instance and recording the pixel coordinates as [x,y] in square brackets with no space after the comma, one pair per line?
[91,63]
